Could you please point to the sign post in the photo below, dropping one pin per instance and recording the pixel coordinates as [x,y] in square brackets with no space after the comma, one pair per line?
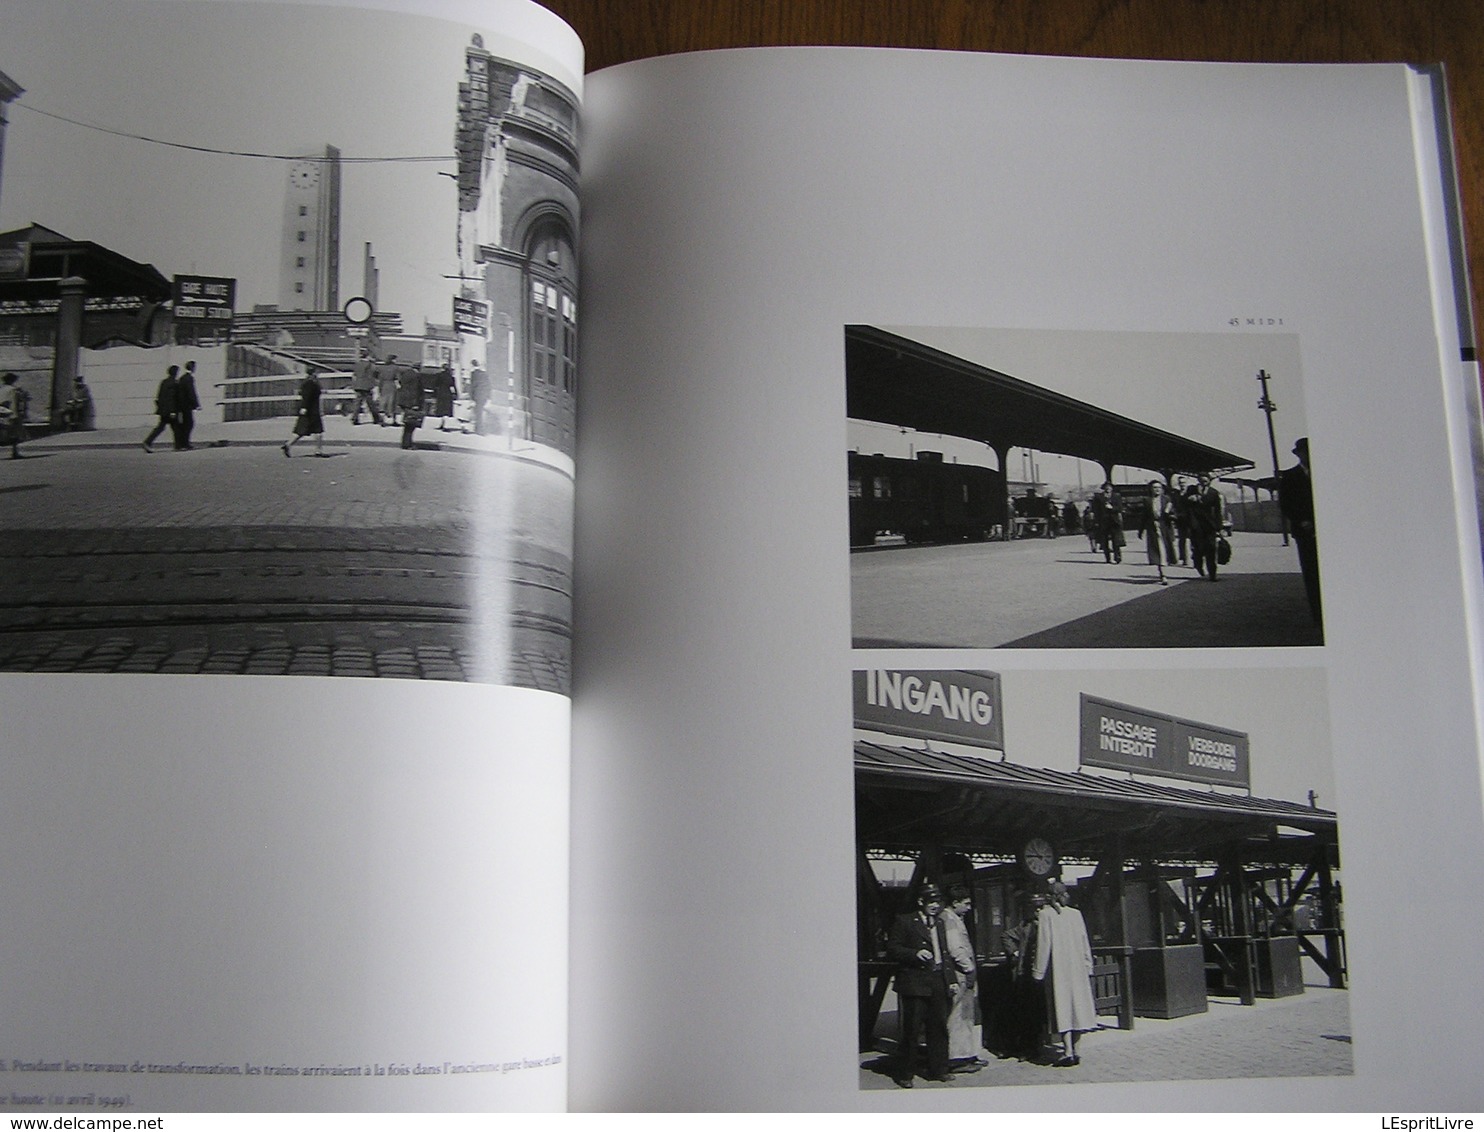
[471,316]
[203,306]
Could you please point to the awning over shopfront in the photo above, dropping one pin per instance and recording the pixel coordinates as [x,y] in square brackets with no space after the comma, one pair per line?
[896,381]
[911,797]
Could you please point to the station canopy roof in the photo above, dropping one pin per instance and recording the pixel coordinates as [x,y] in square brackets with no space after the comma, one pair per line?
[896,381]
[907,798]
[33,260]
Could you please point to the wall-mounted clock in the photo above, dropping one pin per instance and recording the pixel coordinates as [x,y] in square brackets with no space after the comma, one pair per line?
[1038,857]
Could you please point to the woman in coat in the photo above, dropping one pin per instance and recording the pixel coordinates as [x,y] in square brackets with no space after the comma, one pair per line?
[309,421]
[443,391]
[1157,525]
[1064,964]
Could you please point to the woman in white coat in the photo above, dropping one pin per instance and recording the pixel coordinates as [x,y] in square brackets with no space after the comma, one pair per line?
[1064,953]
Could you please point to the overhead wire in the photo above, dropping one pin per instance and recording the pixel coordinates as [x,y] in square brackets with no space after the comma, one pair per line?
[342,159]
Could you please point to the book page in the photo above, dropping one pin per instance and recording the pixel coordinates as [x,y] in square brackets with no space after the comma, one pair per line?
[287,309]
[859,327]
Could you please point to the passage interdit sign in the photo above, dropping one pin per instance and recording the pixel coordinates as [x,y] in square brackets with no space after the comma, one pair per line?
[1120,737]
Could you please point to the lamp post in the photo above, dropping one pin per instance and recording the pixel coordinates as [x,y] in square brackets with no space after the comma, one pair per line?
[1269,407]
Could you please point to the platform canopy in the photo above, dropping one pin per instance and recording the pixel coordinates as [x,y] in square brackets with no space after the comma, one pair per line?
[34,260]
[907,798]
[894,380]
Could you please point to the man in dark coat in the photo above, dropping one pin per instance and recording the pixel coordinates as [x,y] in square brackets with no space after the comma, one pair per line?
[1206,513]
[363,384]
[1024,1030]
[1296,500]
[167,406]
[1183,499]
[1098,506]
[1112,524]
[186,404]
[409,401]
[919,948]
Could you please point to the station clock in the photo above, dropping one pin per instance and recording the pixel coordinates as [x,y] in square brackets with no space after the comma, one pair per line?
[1038,857]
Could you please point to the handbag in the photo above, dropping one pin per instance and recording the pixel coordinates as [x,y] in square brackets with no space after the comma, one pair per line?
[1223,550]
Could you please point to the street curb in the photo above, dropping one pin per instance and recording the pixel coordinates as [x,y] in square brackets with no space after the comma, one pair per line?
[40,446]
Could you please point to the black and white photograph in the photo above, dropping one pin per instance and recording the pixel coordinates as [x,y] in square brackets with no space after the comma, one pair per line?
[1097,876]
[288,342]
[1080,489]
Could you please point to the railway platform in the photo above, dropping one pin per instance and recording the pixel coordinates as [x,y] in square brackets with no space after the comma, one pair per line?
[1060,593]
[1308,1035]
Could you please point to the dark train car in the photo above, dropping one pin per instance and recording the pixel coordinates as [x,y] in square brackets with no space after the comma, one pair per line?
[923,500]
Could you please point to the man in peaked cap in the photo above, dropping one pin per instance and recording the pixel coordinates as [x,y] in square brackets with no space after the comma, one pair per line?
[919,948]
[1296,500]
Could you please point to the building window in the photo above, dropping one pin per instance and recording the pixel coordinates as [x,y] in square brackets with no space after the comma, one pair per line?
[301,236]
[552,312]
[544,332]
[299,288]
[303,210]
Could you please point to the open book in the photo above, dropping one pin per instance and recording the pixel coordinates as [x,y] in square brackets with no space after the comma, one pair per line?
[1015,585]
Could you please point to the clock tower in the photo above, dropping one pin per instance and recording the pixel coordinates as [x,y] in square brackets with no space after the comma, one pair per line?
[309,267]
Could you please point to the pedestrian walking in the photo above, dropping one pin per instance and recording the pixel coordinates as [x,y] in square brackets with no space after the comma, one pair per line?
[410,402]
[1157,526]
[1183,498]
[386,388]
[1207,514]
[443,397]
[1113,539]
[186,403]
[13,400]
[167,406]
[363,384]
[309,421]
[1098,507]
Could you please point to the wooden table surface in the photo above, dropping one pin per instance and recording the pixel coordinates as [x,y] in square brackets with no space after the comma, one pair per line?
[1287,31]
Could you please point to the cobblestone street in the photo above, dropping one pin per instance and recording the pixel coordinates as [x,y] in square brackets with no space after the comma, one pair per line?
[449,562]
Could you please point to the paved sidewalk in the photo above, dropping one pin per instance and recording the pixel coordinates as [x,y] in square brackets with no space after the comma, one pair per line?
[340,434]
[1307,1035]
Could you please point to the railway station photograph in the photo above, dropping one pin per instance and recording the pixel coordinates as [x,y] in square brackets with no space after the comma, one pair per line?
[289,368]
[1097,876]
[1079,489]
